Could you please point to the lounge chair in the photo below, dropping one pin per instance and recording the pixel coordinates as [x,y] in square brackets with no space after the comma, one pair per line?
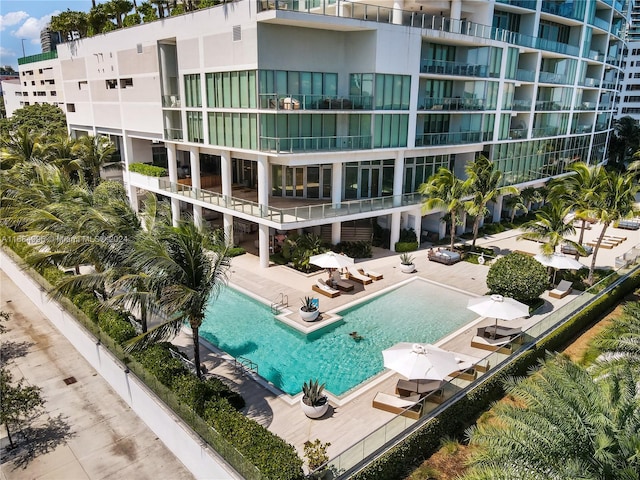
[371,274]
[469,366]
[358,277]
[339,283]
[501,345]
[406,406]
[322,288]
[432,388]
[562,290]
[493,331]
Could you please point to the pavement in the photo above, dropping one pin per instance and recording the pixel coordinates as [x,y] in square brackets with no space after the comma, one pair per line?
[86,430]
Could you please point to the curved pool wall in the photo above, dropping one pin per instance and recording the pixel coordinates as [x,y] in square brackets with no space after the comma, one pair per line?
[417,311]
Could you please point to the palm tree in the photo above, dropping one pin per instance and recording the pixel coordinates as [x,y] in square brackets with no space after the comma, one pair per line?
[22,145]
[626,139]
[616,202]
[93,153]
[444,190]
[549,227]
[186,266]
[561,424]
[485,179]
[515,203]
[118,9]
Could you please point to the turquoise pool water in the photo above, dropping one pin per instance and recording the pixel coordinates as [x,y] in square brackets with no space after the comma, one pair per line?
[415,312]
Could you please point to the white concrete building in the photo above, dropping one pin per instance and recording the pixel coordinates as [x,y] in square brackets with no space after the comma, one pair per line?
[40,81]
[629,88]
[12,95]
[281,115]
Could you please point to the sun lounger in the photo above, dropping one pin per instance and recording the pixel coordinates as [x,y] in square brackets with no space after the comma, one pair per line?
[501,345]
[339,283]
[358,277]
[371,274]
[431,388]
[629,224]
[562,290]
[324,289]
[406,406]
[603,244]
[499,331]
[469,366]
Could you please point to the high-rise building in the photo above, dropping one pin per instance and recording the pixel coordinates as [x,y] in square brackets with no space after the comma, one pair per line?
[629,85]
[283,115]
[49,39]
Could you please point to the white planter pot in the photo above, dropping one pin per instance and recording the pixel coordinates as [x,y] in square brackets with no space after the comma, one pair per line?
[314,412]
[407,268]
[309,316]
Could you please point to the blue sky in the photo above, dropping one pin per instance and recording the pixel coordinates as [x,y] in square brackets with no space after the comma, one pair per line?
[23,19]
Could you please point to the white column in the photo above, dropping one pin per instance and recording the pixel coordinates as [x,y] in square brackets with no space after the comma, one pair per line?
[227,225]
[442,230]
[456,9]
[194,161]
[263,182]
[336,183]
[127,150]
[225,172]
[173,178]
[417,222]
[463,222]
[398,5]
[336,233]
[497,208]
[263,245]
[395,230]
[398,176]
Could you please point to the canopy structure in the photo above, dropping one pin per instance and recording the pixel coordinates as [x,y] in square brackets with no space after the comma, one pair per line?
[331,260]
[420,361]
[499,307]
[558,261]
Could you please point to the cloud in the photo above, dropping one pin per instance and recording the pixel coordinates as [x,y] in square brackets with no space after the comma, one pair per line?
[31,27]
[12,18]
[7,52]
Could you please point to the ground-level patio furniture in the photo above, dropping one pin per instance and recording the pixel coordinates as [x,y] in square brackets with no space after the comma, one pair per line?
[500,345]
[469,366]
[324,289]
[406,406]
[571,250]
[371,274]
[629,224]
[356,276]
[432,388]
[562,290]
[446,257]
[338,282]
[498,331]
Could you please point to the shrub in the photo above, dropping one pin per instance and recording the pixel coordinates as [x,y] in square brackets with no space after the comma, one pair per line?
[236,251]
[158,360]
[408,235]
[518,276]
[381,236]
[52,274]
[116,326]
[406,247]
[275,458]
[149,170]
[359,249]
[196,393]
[88,304]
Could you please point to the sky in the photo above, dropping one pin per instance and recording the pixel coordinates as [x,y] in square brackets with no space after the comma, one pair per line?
[21,22]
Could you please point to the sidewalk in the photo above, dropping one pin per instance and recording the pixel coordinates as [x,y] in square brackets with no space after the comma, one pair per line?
[87,431]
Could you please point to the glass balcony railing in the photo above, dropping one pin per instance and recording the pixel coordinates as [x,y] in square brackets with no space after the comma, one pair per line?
[452,138]
[578,129]
[173,134]
[171,101]
[525,75]
[589,82]
[274,101]
[595,55]
[452,104]
[562,9]
[608,85]
[586,106]
[605,106]
[517,133]
[283,216]
[551,77]
[530,4]
[454,68]
[544,132]
[551,106]
[521,105]
[601,127]
[314,144]
[600,23]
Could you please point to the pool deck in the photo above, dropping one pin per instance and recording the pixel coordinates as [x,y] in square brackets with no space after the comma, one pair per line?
[352,417]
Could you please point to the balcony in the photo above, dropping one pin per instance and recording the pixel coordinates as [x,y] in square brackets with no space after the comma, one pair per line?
[171,101]
[452,104]
[525,75]
[562,9]
[589,82]
[173,134]
[579,129]
[517,133]
[314,144]
[550,106]
[454,68]
[555,78]
[544,132]
[600,23]
[273,101]
[293,215]
[595,55]
[530,4]
[586,106]
[454,138]
[521,105]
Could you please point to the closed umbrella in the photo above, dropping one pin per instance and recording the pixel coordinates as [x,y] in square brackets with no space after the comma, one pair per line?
[503,308]
[331,260]
[558,261]
[420,361]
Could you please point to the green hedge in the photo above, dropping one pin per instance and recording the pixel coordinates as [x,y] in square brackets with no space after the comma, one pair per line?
[357,249]
[116,325]
[453,421]
[406,247]
[148,170]
[236,251]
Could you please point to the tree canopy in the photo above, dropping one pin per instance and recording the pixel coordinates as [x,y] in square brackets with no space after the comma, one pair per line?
[42,118]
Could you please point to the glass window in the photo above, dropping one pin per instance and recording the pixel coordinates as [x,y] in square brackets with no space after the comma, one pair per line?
[192,90]
[194,127]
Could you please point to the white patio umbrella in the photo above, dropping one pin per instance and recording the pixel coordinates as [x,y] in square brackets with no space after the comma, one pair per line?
[558,261]
[331,260]
[420,361]
[502,308]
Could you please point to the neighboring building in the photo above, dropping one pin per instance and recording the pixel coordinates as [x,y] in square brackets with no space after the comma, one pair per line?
[6,73]
[11,95]
[275,119]
[49,39]
[629,88]
[41,80]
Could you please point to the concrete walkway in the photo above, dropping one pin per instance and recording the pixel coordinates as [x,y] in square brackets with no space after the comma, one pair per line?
[87,431]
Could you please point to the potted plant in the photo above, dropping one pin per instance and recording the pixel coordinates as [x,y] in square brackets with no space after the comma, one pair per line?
[406,263]
[309,310]
[314,403]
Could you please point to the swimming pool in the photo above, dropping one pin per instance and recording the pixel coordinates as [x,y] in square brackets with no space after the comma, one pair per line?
[418,311]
